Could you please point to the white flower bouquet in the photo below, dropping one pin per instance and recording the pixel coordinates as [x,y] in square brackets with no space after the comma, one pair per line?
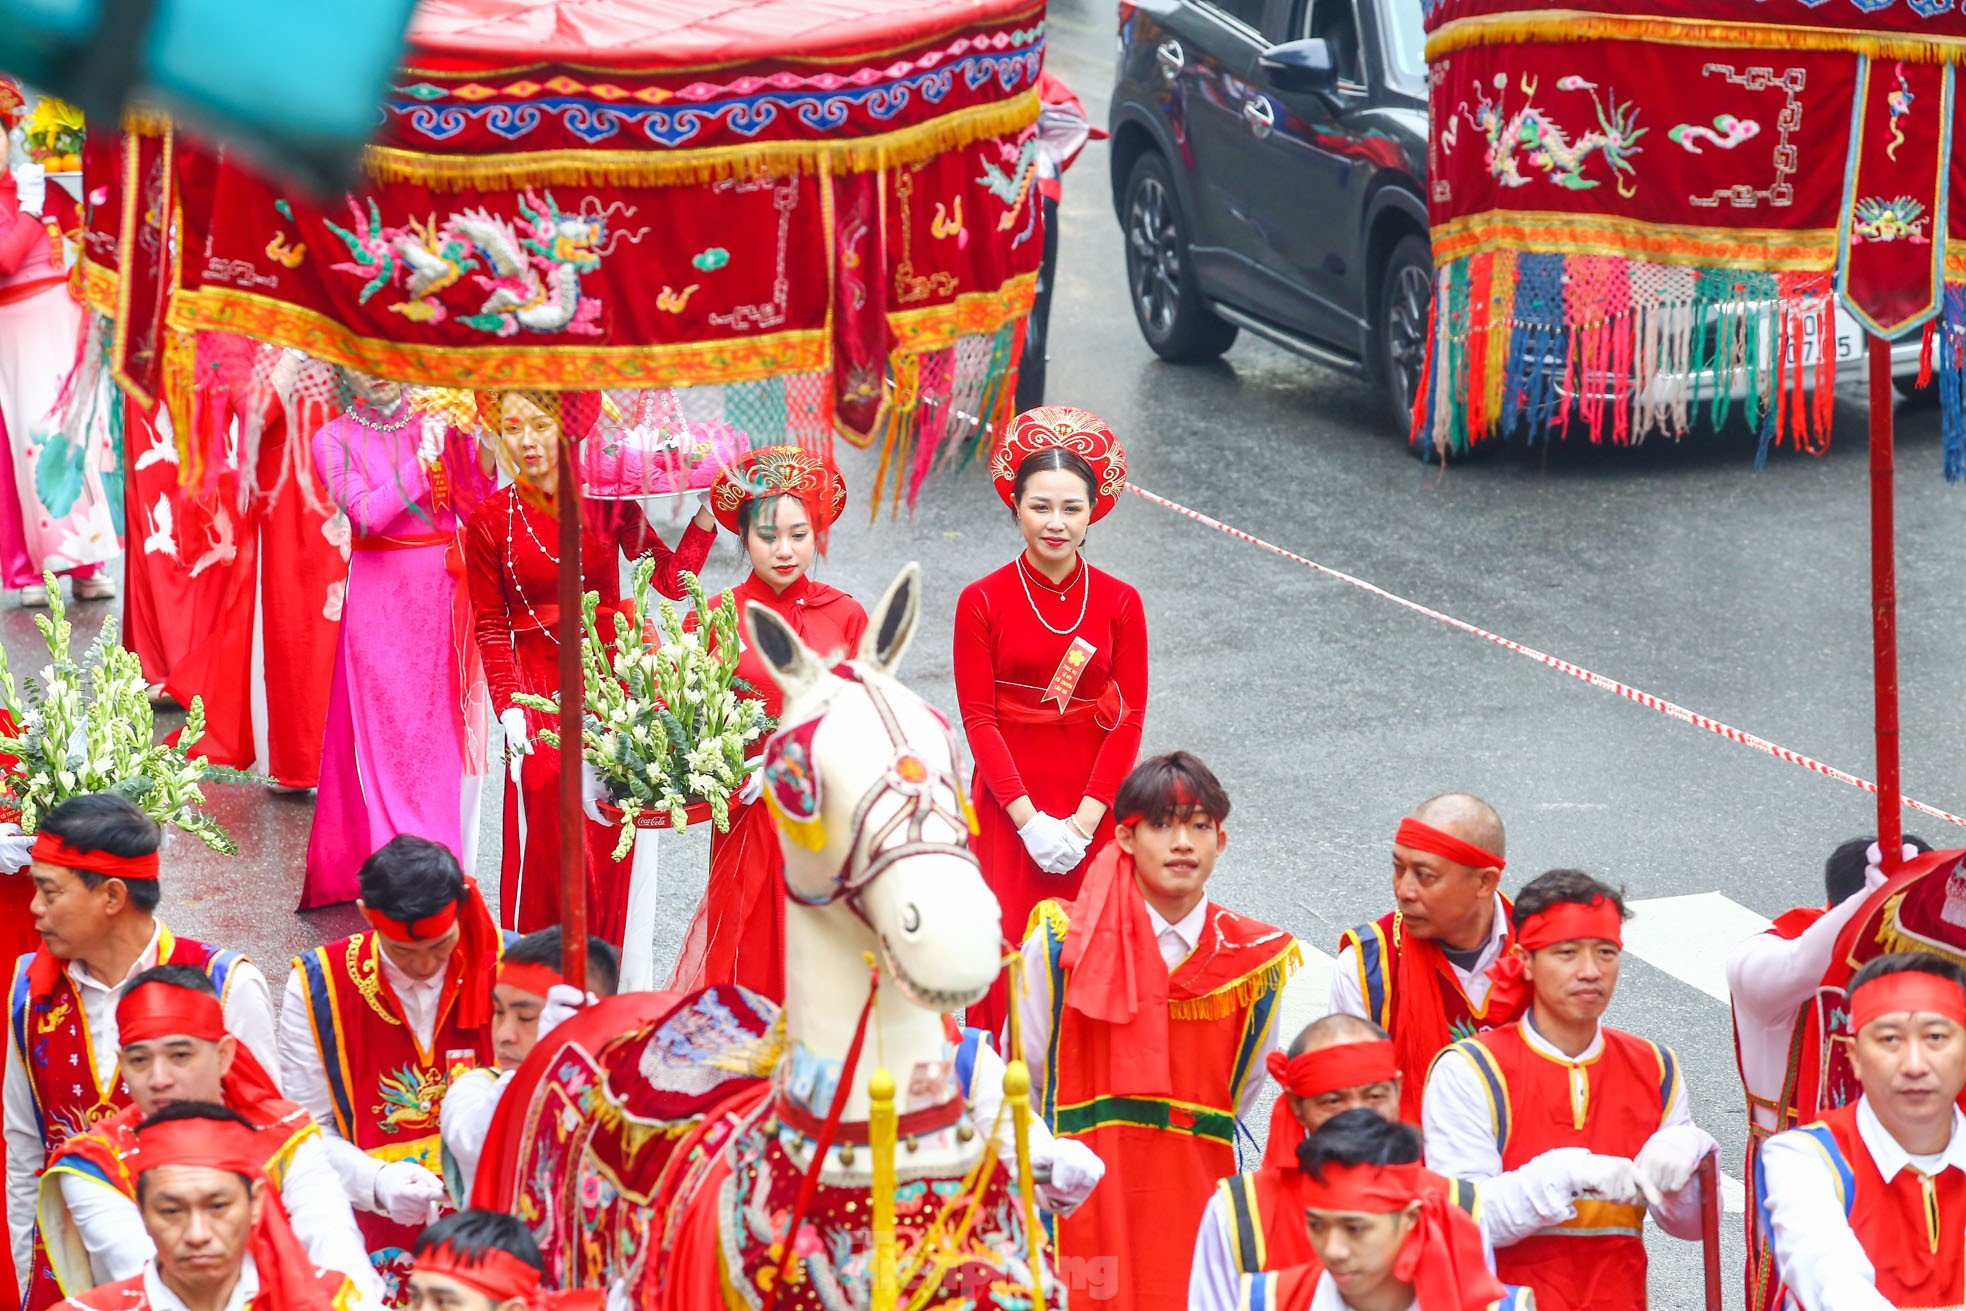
[89,728]
[667,723]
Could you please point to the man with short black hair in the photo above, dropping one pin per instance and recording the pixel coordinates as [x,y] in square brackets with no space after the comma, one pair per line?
[1863,1210]
[375,1026]
[1602,1116]
[96,892]
[485,1261]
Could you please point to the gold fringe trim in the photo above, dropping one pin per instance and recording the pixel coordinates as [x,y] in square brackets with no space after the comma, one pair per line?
[1572,25]
[658,167]
[1246,991]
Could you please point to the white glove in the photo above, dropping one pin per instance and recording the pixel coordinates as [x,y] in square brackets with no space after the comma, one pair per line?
[1078,843]
[32,181]
[15,849]
[513,724]
[752,788]
[592,791]
[1874,876]
[1669,1159]
[703,500]
[1075,1171]
[1050,843]
[1604,1179]
[563,1002]
[408,1194]
[430,440]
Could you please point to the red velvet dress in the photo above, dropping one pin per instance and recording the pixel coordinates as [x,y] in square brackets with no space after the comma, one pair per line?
[738,934]
[511,554]
[1005,658]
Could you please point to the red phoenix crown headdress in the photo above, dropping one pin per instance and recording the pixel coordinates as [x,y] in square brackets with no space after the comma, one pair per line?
[1079,431]
[780,471]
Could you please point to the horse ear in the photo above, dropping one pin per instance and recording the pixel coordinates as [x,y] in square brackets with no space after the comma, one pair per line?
[792,662]
[893,626]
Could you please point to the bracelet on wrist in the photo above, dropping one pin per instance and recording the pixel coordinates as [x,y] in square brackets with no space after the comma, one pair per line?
[1072,822]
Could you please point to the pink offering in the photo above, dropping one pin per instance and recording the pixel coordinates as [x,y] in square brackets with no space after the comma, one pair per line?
[658,456]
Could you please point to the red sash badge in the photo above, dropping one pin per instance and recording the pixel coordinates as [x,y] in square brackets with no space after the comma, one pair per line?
[1070,666]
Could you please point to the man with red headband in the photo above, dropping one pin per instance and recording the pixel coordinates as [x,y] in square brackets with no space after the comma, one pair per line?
[1384,1235]
[1421,972]
[1147,1014]
[221,1235]
[1601,1116]
[1864,1209]
[95,908]
[374,1028]
[530,1000]
[175,1049]
[486,1261]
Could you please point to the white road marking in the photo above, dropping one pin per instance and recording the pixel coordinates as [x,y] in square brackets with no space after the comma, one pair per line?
[1689,937]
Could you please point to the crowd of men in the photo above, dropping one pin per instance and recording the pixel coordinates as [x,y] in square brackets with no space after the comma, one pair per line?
[1460,1130]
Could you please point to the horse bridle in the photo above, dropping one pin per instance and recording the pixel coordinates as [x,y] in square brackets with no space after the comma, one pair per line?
[920,786]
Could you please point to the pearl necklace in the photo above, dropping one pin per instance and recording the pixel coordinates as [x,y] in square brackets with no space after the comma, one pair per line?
[1085,596]
[511,513]
[378,424]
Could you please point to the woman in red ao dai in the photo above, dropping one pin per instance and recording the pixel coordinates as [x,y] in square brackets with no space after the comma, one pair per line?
[1051,672]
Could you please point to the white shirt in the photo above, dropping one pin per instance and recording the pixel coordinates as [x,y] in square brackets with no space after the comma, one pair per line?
[1769,980]
[1816,1252]
[1177,940]
[466,1118]
[248,1010]
[162,1298]
[1460,1137]
[1348,994]
[112,1229]
[304,1071]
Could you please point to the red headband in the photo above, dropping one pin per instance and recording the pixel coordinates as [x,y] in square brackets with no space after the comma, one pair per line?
[210,1144]
[1912,991]
[1441,1256]
[529,976]
[1570,921]
[1425,837]
[428,928]
[1368,1189]
[1328,1069]
[53,849]
[477,952]
[503,1277]
[158,1010]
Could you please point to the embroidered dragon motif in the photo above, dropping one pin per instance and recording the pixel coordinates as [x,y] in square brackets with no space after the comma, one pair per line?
[1531,141]
[1902,219]
[411,1100]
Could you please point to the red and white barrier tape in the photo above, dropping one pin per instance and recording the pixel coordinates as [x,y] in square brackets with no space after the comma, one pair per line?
[1599,681]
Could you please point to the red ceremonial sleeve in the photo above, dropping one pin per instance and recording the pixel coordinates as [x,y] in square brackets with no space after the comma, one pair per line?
[976,697]
[636,536]
[490,620]
[1121,749]
[19,230]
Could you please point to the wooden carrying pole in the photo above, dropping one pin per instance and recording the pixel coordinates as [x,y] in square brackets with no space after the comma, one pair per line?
[1884,607]
[573,705]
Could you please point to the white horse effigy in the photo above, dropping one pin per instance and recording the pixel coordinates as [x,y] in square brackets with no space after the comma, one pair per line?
[716,1151]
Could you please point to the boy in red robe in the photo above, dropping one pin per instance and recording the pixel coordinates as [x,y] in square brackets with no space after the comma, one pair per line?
[1602,1116]
[374,1028]
[1147,1018]
[96,893]
[1864,1209]
[221,1235]
[1421,972]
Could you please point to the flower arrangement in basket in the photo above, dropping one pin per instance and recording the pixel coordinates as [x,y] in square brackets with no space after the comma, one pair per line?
[54,135]
[88,727]
[667,723]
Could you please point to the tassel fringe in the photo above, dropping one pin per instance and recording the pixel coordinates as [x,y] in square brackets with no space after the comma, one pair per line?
[1247,990]
[1570,25]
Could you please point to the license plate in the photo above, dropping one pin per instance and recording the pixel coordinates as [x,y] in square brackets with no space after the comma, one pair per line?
[1849,338]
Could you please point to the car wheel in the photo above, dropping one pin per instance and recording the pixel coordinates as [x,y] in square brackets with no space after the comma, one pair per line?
[1406,289]
[1159,276]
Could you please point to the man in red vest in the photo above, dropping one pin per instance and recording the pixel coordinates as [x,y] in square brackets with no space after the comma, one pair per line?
[1864,1209]
[1421,972]
[1601,1114]
[374,1028]
[1148,1014]
[174,1049]
[220,1233]
[96,894]
[1772,978]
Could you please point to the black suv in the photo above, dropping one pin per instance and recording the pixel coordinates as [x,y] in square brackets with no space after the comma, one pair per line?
[1269,166]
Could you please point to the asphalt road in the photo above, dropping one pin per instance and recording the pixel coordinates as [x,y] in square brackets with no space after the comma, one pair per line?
[1677,568]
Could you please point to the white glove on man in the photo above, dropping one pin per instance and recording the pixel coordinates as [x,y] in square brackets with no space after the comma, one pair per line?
[1604,1179]
[15,849]
[1051,843]
[513,724]
[1075,1171]
[751,788]
[1874,876]
[408,1194]
[1669,1159]
[563,1002]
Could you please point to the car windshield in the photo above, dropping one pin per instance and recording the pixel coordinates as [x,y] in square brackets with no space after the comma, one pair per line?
[1406,41]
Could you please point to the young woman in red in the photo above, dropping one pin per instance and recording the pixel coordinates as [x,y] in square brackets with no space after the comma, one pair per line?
[778,501]
[512,566]
[1051,672]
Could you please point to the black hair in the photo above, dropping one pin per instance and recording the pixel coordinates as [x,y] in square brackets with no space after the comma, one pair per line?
[1049,458]
[1843,872]
[411,878]
[752,509]
[474,1233]
[1358,1137]
[192,1111]
[1176,784]
[103,821]
[1906,962]
[188,977]
[1558,885]
[543,948]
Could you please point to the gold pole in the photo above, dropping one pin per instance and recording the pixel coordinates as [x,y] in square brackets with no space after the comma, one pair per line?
[1017,1091]
[881,1143]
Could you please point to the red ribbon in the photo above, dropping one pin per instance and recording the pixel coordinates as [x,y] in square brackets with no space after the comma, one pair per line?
[1907,991]
[529,976]
[53,849]
[1114,974]
[1425,837]
[157,1009]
